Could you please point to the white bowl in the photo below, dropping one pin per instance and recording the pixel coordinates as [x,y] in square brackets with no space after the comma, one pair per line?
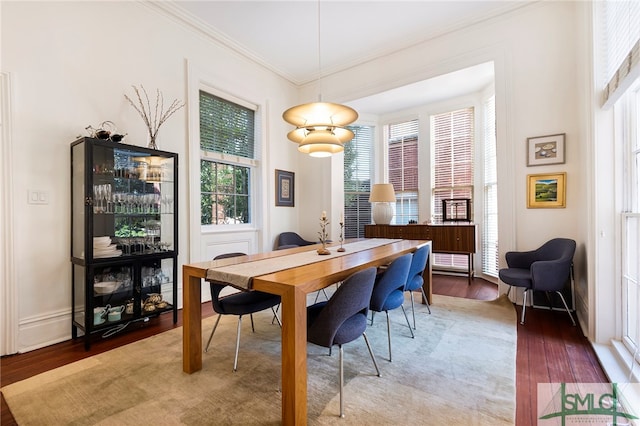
[106,287]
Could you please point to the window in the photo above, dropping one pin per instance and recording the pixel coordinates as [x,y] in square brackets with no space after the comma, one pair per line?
[402,141]
[227,150]
[358,160]
[452,147]
[490,260]
[631,223]
[621,68]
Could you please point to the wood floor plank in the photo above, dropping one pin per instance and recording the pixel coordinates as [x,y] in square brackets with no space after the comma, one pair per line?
[549,348]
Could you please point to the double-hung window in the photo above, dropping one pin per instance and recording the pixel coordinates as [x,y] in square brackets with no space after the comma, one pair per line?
[621,35]
[402,143]
[358,169]
[227,160]
[452,146]
[490,259]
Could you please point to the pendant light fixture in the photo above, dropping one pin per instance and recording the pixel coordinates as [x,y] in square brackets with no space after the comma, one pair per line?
[320,126]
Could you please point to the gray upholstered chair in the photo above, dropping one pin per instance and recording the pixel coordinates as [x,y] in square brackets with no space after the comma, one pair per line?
[291,239]
[240,303]
[343,318]
[388,291]
[546,268]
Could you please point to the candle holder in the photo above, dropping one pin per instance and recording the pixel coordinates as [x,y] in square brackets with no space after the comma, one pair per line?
[341,249]
[324,221]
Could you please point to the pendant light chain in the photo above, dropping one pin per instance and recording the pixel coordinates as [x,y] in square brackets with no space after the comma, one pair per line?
[319,82]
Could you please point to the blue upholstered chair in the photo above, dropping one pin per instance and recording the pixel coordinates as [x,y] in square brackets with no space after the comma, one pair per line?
[343,318]
[291,239]
[240,303]
[545,269]
[416,279]
[388,291]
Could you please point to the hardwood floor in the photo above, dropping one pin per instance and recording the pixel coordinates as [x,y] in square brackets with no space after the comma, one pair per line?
[550,349]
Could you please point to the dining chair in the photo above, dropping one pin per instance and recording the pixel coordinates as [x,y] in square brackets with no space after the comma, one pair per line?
[291,239]
[415,279]
[388,291]
[239,303]
[343,318]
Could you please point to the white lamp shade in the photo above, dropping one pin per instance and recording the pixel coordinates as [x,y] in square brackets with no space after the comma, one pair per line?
[320,143]
[320,114]
[382,193]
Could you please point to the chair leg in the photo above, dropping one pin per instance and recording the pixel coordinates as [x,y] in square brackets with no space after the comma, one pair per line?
[212,331]
[253,329]
[372,314]
[389,333]
[425,300]
[373,357]
[524,305]
[408,323]
[566,307]
[413,310]
[275,315]
[508,291]
[235,361]
[341,380]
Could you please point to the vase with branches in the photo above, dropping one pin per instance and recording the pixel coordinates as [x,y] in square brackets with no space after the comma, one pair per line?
[153,119]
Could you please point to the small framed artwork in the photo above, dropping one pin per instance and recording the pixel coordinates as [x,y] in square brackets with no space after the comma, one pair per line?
[285,188]
[544,150]
[546,191]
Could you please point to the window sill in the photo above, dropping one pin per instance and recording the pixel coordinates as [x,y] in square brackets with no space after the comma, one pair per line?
[615,360]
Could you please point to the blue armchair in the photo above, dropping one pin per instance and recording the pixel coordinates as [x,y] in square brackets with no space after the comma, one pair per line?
[545,269]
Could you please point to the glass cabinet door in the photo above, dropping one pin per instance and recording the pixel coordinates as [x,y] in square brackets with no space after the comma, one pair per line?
[133,202]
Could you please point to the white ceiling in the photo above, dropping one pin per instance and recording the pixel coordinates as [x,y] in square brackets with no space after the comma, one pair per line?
[288,38]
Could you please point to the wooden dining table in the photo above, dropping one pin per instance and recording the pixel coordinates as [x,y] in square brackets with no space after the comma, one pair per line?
[293,285]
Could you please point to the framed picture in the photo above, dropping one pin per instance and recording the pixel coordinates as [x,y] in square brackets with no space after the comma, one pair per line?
[285,188]
[543,150]
[546,190]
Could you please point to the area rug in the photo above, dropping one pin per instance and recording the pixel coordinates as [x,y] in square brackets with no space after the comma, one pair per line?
[459,369]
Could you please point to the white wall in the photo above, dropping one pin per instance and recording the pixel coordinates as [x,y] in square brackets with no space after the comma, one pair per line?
[70,65]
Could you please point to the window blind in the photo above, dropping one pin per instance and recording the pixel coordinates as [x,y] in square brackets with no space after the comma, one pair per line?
[358,160]
[402,142]
[226,127]
[490,260]
[621,30]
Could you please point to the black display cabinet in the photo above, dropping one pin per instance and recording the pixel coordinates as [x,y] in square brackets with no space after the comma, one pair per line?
[124,235]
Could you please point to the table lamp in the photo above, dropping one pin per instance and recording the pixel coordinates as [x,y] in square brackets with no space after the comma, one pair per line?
[382,194]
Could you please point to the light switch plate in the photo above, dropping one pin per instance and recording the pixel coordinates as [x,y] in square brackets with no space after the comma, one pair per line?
[37,196]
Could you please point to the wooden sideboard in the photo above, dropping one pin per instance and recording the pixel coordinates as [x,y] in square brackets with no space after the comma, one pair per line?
[446,238]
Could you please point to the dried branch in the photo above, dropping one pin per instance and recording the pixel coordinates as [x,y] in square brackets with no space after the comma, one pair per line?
[159,114]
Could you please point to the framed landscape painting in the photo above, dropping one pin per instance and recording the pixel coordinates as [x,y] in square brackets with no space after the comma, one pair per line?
[546,190]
